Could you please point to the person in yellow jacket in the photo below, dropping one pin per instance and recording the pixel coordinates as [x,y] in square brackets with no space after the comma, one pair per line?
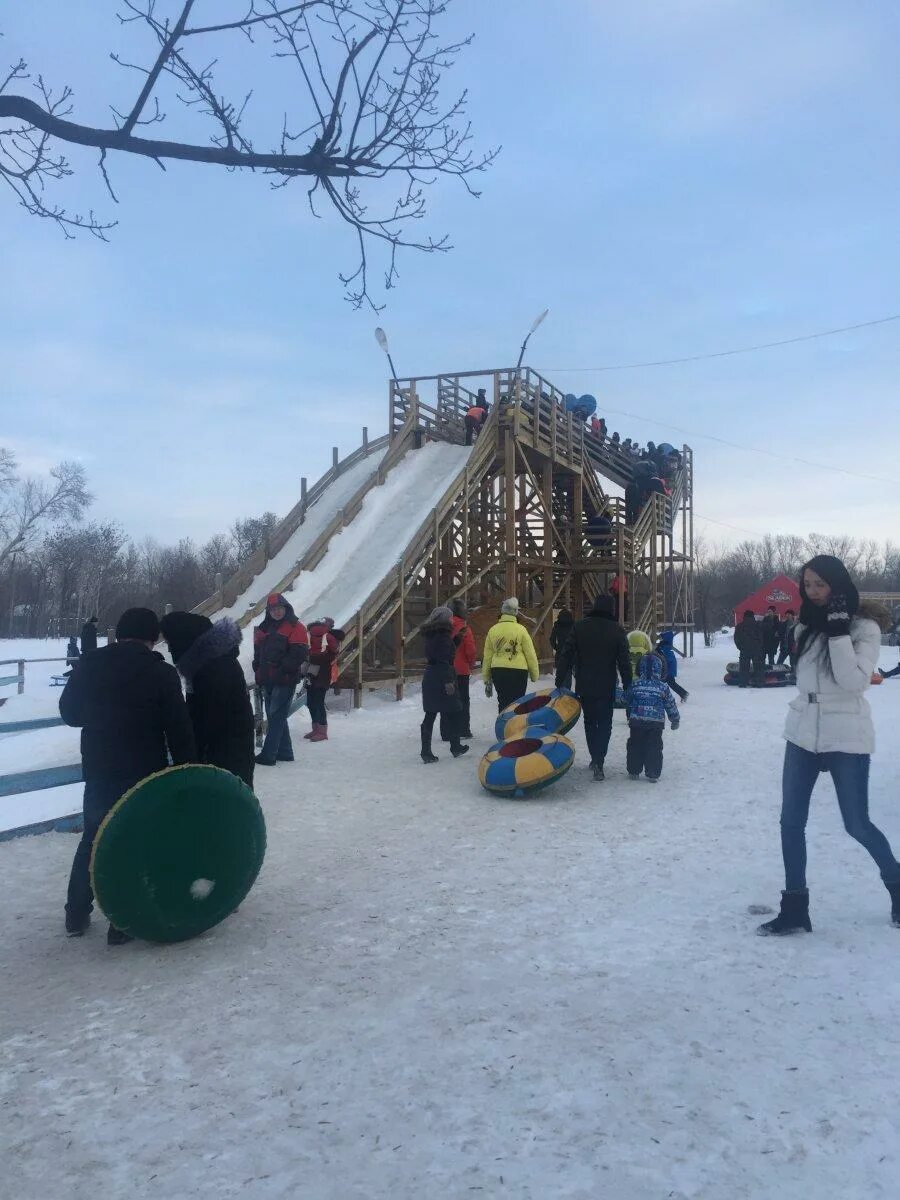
[509,659]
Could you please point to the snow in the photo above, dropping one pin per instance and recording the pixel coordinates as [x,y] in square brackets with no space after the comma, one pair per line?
[32,808]
[360,556]
[317,518]
[433,993]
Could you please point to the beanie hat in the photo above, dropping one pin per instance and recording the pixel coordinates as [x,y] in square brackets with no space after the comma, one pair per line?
[440,616]
[458,607]
[275,600]
[181,630]
[510,607]
[138,625]
[605,606]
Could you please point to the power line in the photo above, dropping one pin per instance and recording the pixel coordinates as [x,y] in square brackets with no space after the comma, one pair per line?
[711,437]
[668,362]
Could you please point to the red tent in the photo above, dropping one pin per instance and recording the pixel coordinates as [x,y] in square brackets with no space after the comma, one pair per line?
[780,591]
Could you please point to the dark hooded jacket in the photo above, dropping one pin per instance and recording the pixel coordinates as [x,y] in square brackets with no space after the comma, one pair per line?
[440,693]
[280,648]
[88,637]
[206,655]
[596,649]
[128,704]
[748,637]
[562,627]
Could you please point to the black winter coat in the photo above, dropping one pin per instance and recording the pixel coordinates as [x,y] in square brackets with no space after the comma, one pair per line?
[128,704]
[771,634]
[596,649]
[559,633]
[88,637]
[218,701]
[440,693]
[748,637]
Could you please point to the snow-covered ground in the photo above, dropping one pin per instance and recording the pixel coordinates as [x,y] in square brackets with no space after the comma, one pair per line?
[433,994]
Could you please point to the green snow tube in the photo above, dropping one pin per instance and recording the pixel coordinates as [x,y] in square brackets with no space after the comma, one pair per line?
[178,853]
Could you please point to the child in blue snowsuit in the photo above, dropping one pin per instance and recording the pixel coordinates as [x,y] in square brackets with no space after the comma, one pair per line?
[647,701]
[667,650]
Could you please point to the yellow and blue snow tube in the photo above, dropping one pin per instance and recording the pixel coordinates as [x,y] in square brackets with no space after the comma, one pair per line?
[553,710]
[522,766]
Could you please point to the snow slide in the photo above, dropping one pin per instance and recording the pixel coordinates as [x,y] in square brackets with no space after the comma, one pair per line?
[320,514]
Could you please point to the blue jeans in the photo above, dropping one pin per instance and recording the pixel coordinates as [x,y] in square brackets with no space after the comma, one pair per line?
[315,698]
[850,773]
[277,746]
[99,797]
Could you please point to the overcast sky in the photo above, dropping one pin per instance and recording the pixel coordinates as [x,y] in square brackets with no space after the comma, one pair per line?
[677,177]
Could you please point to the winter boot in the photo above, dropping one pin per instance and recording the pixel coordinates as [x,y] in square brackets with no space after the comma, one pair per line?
[77,926]
[116,937]
[634,778]
[894,889]
[319,733]
[793,917]
[308,737]
[427,756]
[457,749]
[263,762]
[599,776]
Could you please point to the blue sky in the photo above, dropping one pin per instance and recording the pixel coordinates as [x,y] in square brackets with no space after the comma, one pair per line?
[676,177]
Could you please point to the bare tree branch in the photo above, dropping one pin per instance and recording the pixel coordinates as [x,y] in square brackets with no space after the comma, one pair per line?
[368,106]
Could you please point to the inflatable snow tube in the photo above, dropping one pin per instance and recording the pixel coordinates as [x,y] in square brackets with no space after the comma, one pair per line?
[523,766]
[580,406]
[178,853]
[555,710]
[781,676]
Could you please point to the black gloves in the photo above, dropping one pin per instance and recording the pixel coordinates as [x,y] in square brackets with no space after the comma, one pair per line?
[838,620]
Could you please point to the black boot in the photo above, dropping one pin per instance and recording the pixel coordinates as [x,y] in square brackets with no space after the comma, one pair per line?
[77,926]
[793,917]
[117,937]
[894,889]
[427,756]
[457,749]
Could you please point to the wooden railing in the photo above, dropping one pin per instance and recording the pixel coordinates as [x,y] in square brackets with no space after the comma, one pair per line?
[229,593]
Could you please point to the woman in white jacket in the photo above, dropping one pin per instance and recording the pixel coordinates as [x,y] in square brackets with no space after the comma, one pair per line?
[829,728]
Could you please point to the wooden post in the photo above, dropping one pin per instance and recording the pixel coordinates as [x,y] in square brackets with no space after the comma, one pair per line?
[548,529]
[578,536]
[436,567]
[399,625]
[334,457]
[303,491]
[509,479]
[365,440]
[21,684]
[357,690]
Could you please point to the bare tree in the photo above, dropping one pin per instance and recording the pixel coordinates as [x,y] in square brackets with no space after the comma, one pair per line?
[367,107]
[28,505]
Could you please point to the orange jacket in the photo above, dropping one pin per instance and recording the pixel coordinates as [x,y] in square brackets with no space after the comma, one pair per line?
[464,660]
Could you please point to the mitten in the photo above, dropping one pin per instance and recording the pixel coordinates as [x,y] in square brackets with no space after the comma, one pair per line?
[838,621]
[489,689]
[450,689]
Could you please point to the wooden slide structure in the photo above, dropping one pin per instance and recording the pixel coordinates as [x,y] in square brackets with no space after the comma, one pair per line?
[510,520]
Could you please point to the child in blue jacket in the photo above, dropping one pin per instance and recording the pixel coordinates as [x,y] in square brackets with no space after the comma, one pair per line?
[647,701]
[667,650]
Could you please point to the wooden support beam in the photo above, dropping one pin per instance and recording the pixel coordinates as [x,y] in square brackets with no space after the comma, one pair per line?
[509,481]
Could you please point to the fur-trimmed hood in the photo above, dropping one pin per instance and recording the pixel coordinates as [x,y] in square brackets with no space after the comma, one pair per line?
[223,639]
[873,610]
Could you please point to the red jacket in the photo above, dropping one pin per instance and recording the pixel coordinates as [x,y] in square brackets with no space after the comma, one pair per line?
[464,660]
[324,647]
[279,650]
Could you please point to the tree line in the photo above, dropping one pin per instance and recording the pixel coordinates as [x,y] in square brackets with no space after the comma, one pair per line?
[56,569]
[724,576]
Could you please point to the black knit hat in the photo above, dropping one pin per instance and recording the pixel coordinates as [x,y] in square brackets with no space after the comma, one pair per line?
[138,625]
[181,630]
[605,606]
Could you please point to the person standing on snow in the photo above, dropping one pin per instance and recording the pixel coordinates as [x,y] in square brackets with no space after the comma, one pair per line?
[463,664]
[440,692]
[89,635]
[596,649]
[324,648]
[72,655]
[829,728]
[748,639]
[280,648]
[771,635]
[206,656]
[647,703]
[786,638]
[559,635]
[666,649]
[128,704]
[509,660]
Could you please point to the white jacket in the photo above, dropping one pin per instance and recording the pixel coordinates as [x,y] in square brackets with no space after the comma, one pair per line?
[831,713]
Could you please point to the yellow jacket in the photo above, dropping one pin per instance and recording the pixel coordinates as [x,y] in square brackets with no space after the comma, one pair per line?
[509,644]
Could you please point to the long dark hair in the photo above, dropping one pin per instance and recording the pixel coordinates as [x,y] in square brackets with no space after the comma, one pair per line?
[813,617]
